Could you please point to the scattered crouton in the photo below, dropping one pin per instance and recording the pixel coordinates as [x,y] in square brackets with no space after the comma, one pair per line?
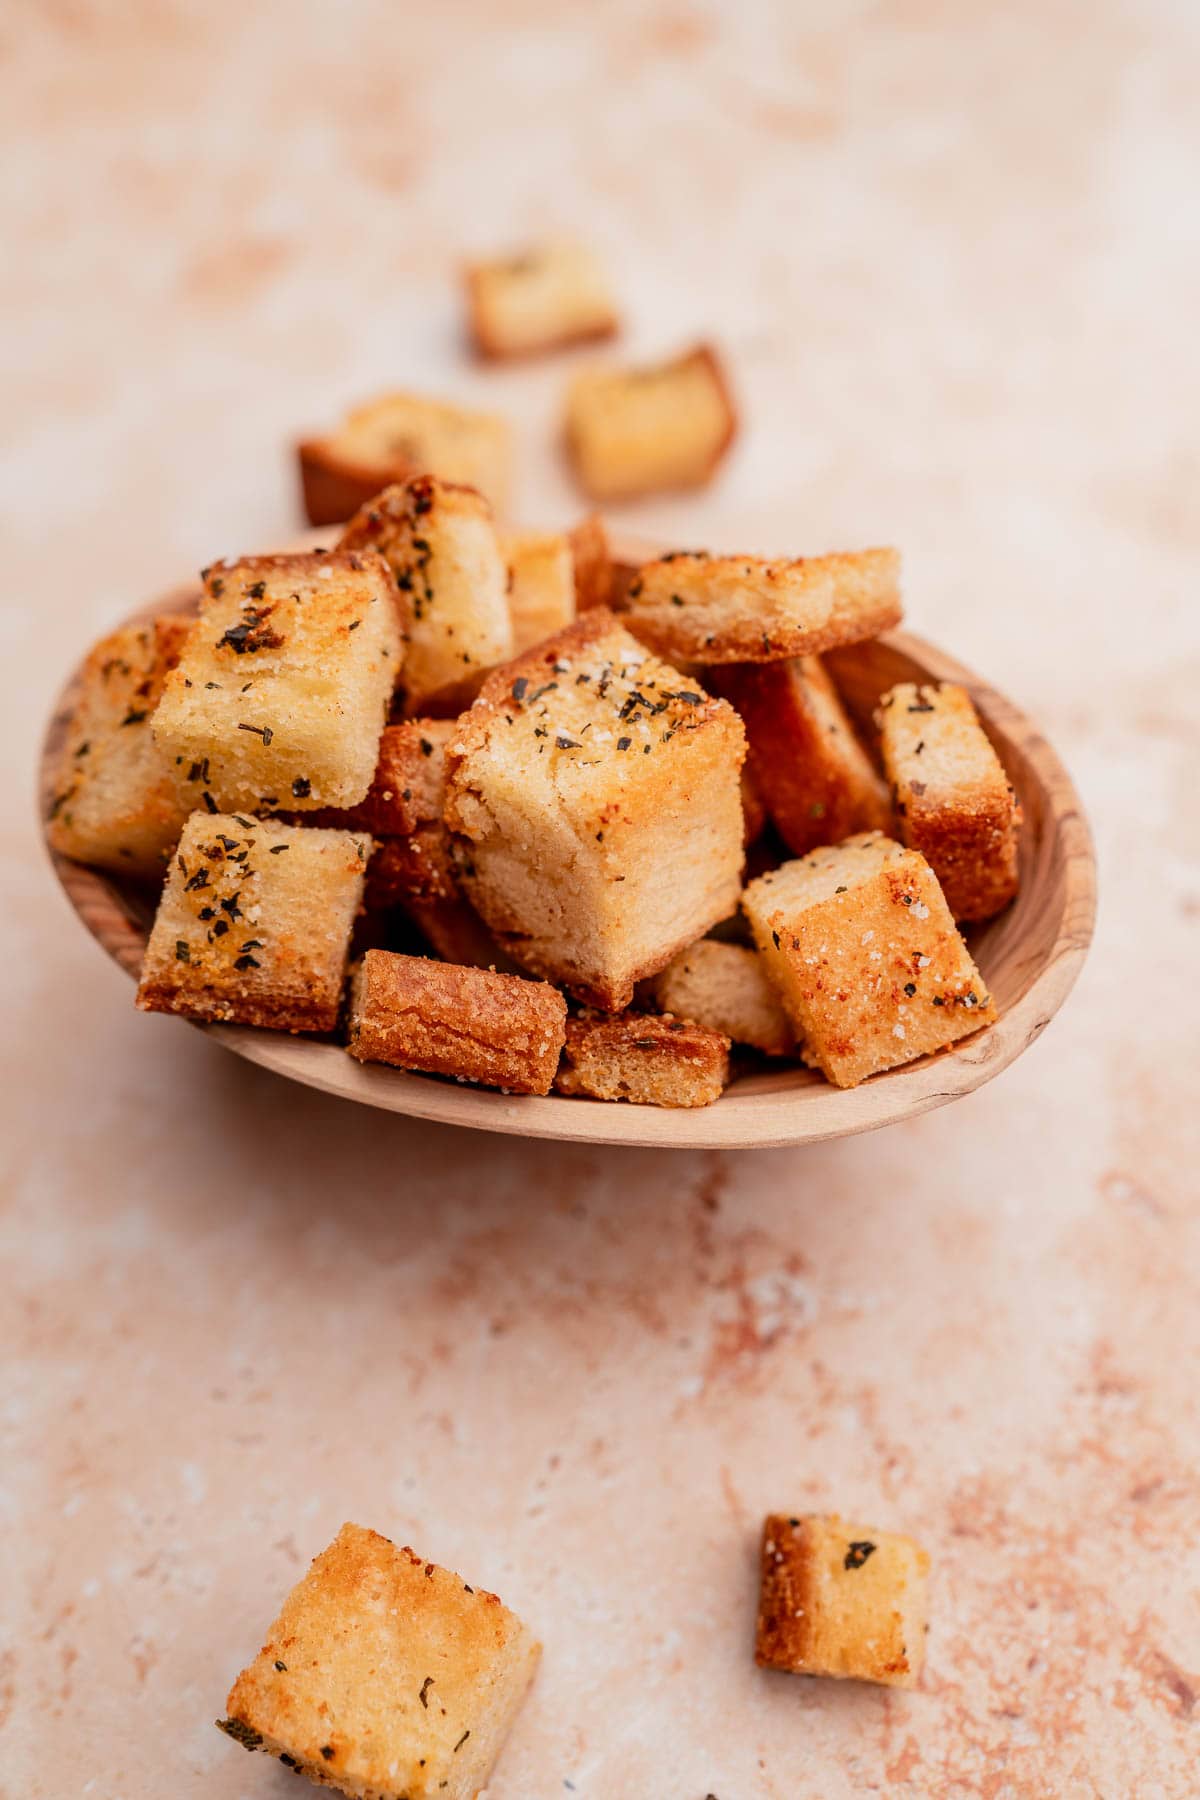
[548,296]
[385,1676]
[724,988]
[641,431]
[541,584]
[396,437]
[862,949]
[953,800]
[841,1599]
[648,1059]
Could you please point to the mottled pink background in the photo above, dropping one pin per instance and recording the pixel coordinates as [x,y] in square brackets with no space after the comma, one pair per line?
[952,253]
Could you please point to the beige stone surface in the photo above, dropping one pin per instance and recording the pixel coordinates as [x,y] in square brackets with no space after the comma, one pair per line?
[952,254]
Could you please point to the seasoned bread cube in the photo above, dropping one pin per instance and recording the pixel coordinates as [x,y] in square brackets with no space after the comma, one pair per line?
[593,565]
[385,1676]
[724,988]
[399,436]
[550,295]
[644,1058]
[117,800]
[640,431]
[754,806]
[841,1599]
[818,782]
[953,799]
[284,681]
[862,949]
[408,786]
[541,584]
[254,923]
[744,609]
[441,545]
[594,801]
[500,1030]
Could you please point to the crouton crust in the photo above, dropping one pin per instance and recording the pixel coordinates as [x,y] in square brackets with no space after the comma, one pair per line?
[631,432]
[724,987]
[953,799]
[746,609]
[500,1030]
[549,296]
[649,1059]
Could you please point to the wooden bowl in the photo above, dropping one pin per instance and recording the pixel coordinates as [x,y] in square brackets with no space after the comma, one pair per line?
[1029,956]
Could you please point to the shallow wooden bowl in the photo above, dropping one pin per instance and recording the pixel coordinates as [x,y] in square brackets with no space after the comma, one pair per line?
[1029,956]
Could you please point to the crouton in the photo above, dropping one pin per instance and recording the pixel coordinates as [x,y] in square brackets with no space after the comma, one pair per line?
[469,1023]
[283,683]
[117,800]
[593,564]
[549,296]
[396,437]
[644,1058]
[641,431]
[594,802]
[414,867]
[754,806]
[842,1600]
[541,584]
[744,609]
[723,987]
[441,545]
[408,786]
[860,945]
[254,923]
[953,799]
[817,781]
[385,1676]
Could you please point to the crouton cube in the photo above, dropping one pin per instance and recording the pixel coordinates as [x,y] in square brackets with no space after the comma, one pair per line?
[645,1058]
[593,564]
[408,786]
[117,800]
[398,436]
[254,923]
[550,295]
[843,1600]
[744,609]
[500,1030]
[861,947]
[541,584]
[817,781]
[441,545]
[641,431]
[283,684]
[754,805]
[594,801]
[724,988]
[953,800]
[385,1676]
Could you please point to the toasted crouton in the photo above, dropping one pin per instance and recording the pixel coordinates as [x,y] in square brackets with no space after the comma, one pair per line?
[541,584]
[396,437]
[841,1599]
[862,949]
[744,609]
[640,431]
[408,786]
[254,923]
[818,782]
[723,987]
[550,295]
[953,800]
[644,1058]
[117,800]
[385,1676]
[283,683]
[473,1024]
[442,547]
[593,564]
[754,806]
[595,806]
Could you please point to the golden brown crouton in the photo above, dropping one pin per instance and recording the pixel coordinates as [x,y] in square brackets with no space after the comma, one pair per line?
[648,1059]
[409,784]
[639,431]
[254,923]
[541,584]
[953,800]
[592,560]
[396,437]
[754,806]
[744,609]
[841,1599]
[441,545]
[818,782]
[593,797]
[500,1030]
[550,295]
[385,1676]
[862,949]
[117,800]
[283,683]
[723,987]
